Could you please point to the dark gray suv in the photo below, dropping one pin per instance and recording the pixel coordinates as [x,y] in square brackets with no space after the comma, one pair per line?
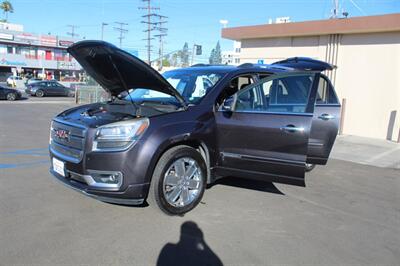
[165,137]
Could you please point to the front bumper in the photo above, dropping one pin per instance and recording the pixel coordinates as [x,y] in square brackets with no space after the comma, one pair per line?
[132,195]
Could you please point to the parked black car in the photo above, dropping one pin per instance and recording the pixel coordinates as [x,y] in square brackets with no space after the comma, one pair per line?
[47,88]
[164,138]
[9,94]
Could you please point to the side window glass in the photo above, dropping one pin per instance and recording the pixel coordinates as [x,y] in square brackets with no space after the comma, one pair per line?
[249,100]
[325,94]
[235,85]
[287,94]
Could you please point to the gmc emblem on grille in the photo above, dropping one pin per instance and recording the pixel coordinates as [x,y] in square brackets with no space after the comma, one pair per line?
[62,134]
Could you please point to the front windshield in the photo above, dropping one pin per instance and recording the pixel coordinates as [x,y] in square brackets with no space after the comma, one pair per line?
[192,85]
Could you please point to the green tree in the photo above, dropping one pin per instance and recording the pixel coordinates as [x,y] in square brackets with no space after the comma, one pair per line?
[215,56]
[211,58]
[165,62]
[7,7]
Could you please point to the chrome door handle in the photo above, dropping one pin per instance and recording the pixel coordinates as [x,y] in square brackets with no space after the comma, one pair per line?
[326,117]
[292,129]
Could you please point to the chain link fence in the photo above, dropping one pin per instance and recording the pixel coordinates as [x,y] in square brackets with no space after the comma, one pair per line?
[85,94]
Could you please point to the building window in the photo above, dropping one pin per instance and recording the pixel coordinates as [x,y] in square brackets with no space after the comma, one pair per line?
[9,49]
[237,50]
[237,60]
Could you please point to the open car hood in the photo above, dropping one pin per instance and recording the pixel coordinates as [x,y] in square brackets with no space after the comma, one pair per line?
[117,71]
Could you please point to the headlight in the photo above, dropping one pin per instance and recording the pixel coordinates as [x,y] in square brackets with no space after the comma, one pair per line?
[120,135]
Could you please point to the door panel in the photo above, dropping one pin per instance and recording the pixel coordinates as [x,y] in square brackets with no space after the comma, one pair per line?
[268,131]
[259,142]
[325,123]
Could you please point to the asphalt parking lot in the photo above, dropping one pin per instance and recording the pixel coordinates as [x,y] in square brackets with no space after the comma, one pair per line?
[348,214]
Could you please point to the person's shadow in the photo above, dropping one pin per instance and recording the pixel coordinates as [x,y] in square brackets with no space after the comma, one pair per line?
[190,250]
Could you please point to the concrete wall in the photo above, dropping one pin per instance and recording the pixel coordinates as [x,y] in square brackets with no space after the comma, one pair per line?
[368,74]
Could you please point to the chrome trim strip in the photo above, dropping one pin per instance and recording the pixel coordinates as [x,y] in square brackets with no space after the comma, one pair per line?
[69,123]
[101,198]
[328,105]
[89,180]
[272,113]
[64,157]
[266,159]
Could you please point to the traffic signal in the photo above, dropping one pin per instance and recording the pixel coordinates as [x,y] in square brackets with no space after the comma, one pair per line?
[198,50]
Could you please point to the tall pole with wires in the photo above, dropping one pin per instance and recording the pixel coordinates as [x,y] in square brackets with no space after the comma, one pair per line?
[335,9]
[150,25]
[162,32]
[122,31]
[72,32]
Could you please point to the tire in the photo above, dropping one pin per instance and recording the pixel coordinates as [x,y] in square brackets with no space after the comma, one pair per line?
[309,167]
[39,93]
[11,96]
[185,192]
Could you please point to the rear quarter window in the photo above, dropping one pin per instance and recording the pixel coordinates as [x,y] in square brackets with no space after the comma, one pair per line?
[326,93]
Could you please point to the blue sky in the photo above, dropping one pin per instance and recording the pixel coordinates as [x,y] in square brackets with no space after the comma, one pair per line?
[194,21]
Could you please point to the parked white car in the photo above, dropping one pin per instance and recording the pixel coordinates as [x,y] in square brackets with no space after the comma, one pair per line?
[15,81]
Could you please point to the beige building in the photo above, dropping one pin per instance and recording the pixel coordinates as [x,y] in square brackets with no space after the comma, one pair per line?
[366,51]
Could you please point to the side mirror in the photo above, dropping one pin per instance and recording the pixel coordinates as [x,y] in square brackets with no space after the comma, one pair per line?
[228,104]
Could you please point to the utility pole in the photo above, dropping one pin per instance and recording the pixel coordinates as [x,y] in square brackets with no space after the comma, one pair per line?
[335,10]
[162,33]
[72,32]
[122,31]
[150,25]
[102,30]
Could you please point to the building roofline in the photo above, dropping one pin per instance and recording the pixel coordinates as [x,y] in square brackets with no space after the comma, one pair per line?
[365,24]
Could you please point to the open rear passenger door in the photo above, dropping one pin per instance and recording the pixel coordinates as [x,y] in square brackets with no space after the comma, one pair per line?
[327,110]
[265,133]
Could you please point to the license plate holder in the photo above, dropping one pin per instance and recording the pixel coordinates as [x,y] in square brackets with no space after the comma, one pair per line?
[59,166]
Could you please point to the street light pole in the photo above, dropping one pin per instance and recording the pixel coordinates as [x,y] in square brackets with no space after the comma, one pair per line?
[102,30]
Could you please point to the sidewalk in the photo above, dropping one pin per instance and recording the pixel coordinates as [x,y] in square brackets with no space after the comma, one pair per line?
[376,152]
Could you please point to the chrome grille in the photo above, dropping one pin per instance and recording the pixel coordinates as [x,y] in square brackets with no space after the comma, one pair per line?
[70,144]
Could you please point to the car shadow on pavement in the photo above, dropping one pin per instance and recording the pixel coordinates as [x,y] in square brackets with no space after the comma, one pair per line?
[190,250]
[248,184]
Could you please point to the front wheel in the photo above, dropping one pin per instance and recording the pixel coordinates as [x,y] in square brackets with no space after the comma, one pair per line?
[178,181]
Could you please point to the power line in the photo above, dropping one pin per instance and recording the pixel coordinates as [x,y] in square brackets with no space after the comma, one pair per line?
[122,31]
[151,25]
[72,32]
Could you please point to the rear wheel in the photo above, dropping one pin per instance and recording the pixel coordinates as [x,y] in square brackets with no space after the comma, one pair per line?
[178,181]
[11,96]
[39,93]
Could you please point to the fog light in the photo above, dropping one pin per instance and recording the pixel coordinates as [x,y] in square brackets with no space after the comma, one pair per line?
[105,179]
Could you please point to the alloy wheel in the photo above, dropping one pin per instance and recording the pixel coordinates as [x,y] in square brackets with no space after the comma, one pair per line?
[182,182]
[11,97]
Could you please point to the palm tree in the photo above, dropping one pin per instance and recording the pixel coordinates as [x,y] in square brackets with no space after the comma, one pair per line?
[7,7]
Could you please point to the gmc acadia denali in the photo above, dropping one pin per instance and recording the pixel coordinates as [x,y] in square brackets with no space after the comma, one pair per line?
[163,138]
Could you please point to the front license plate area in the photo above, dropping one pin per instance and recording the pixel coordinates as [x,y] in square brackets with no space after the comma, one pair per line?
[58,166]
